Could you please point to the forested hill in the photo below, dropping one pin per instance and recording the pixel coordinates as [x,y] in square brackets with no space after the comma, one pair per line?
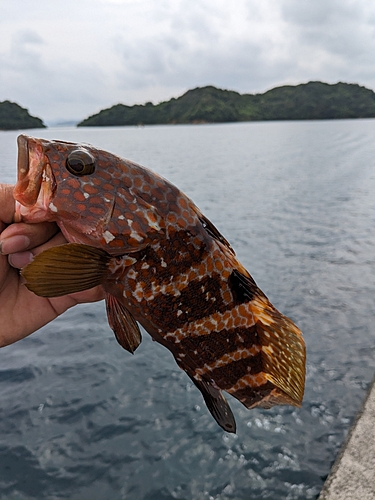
[13,117]
[309,101]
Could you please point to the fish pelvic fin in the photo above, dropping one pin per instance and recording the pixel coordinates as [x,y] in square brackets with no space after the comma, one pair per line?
[123,324]
[66,269]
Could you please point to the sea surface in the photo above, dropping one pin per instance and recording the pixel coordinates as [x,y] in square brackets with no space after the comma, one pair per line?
[80,418]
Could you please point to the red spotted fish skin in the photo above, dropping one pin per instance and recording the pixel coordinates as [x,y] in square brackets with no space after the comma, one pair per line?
[121,208]
[171,269]
[192,303]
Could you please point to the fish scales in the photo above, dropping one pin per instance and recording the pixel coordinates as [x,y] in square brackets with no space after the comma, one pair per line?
[163,264]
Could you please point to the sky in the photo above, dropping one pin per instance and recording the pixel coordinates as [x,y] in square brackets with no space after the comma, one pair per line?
[68,59]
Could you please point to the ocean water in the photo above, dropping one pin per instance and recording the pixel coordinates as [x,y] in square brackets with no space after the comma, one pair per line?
[80,418]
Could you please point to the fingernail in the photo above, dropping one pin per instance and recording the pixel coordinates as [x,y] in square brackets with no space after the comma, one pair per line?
[13,244]
[20,260]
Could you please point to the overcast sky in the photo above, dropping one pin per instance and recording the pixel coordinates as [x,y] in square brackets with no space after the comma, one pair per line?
[67,59]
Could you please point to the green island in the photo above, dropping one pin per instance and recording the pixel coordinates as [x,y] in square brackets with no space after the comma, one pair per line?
[14,117]
[309,101]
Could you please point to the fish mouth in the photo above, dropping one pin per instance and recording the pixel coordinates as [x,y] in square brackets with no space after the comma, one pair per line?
[35,182]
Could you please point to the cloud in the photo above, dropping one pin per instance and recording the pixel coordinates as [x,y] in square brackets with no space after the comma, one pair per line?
[337,36]
[69,59]
[202,46]
[30,79]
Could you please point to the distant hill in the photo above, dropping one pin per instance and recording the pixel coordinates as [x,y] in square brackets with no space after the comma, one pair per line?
[13,117]
[309,101]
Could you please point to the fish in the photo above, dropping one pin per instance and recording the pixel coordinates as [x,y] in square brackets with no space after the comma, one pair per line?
[163,265]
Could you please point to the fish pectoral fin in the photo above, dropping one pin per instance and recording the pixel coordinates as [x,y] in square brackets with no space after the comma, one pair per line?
[65,269]
[123,324]
[217,405]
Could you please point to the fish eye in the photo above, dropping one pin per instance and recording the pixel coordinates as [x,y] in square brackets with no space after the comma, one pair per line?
[80,162]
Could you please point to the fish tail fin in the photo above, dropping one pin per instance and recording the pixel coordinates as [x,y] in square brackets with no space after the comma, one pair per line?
[281,379]
[283,351]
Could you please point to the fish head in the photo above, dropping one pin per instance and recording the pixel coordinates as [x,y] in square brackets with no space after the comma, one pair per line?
[79,187]
[36,184]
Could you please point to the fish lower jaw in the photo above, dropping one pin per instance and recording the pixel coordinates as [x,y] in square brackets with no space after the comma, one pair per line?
[36,213]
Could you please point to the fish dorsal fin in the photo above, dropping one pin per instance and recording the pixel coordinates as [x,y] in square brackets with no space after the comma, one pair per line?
[214,232]
[123,324]
[65,269]
[243,287]
[217,404]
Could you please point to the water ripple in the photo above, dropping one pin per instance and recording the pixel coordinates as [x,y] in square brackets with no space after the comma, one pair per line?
[82,419]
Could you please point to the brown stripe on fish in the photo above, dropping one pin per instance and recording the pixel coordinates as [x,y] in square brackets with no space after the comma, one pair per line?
[170,259]
[216,345]
[252,389]
[180,252]
[230,358]
[173,307]
[227,376]
[239,316]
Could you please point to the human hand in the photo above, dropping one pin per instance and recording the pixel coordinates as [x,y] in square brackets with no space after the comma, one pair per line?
[21,311]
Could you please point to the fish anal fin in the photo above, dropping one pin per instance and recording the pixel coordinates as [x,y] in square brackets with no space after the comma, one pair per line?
[216,404]
[123,324]
[66,269]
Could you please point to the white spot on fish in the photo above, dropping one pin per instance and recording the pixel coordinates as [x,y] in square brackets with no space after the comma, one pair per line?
[138,292]
[152,223]
[45,176]
[108,236]
[133,233]
[121,217]
[132,274]
[179,312]
[267,349]
[136,236]
[145,265]
[86,195]
[163,263]
[52,207]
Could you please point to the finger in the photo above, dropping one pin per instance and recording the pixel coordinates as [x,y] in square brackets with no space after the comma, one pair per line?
[6,204]
[21,259]
[20,237]
[61,304]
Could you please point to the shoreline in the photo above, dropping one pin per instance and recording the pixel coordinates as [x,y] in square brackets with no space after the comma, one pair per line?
[353,472]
